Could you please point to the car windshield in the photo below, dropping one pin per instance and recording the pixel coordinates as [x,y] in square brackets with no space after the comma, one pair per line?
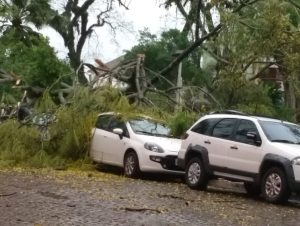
[149,127]
[281,132]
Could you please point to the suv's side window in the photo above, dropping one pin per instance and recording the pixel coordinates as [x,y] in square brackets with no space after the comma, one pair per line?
[224,128]
[243,128]
[103,122]
[205,126]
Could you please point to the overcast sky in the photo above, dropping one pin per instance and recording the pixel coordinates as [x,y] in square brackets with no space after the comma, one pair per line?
[141,14]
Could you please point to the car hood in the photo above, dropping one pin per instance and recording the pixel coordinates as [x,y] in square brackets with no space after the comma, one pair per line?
[171,145]
[292,150]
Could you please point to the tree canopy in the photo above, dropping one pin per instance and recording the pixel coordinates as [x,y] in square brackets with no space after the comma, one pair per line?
[225,47]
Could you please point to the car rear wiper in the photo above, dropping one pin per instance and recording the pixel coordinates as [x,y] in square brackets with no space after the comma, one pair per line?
[284,141]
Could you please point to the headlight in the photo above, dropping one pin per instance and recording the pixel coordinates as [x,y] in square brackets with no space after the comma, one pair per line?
[153,147]
[296,161]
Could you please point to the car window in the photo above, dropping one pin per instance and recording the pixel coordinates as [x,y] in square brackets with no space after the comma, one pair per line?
[295,129]
[205,126]
[243,128]
[103,122]
[224,128]
[279,132]
[149,127]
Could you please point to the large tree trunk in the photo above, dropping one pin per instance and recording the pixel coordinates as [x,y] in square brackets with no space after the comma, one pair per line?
[75,63]
[75,28]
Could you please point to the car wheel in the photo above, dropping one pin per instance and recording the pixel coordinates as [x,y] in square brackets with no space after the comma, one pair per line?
[195,175]
[274,186]
[252,189]
[131,165]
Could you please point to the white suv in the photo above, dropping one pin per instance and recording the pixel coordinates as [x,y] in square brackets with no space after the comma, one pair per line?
[264,153]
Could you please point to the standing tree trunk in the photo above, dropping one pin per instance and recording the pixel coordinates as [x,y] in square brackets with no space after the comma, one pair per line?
[74,27]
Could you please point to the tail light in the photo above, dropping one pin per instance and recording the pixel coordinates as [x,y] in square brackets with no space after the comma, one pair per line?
[184,136]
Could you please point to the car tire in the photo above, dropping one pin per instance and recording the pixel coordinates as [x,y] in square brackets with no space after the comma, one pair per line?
[252,189]
[195,175]
[131,165]
[274,187]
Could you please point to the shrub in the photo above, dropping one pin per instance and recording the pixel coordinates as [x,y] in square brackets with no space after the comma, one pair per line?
[70,135]
[181,122]
[17,144]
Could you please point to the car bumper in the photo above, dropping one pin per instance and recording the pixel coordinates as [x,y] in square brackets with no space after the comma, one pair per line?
[160,163]
[295,182]
[295,187]
[180,163]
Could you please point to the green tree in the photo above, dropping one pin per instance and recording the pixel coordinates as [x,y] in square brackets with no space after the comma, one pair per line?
[74,22]
[37,65]
[260,36]
[160,51]
[78,21]
[16,14]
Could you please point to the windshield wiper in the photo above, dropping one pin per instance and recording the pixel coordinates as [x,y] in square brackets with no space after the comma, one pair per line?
[153,134]
[284,141]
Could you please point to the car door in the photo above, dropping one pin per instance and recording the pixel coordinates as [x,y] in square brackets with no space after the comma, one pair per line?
[98,142]
[114,146]
[219,143]
[200,135]
[245,155]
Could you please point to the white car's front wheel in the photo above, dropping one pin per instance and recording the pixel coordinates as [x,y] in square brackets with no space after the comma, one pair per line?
[131,165]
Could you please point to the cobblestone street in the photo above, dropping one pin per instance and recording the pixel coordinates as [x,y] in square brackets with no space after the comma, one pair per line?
[46,197]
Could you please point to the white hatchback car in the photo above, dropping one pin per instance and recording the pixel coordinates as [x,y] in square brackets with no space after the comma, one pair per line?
[139,145]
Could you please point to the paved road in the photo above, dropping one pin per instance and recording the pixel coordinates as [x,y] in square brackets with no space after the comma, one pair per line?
[44,197]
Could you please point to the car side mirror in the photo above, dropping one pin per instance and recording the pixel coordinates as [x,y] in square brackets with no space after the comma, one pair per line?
[253,136]
[119,132]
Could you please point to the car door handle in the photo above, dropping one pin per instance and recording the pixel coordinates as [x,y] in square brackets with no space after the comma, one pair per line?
[207,142]
[234,147]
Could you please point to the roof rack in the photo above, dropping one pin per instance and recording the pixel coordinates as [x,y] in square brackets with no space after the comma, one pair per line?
[230,112]
[234,112]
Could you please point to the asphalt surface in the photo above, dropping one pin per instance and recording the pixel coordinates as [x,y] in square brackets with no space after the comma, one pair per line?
[48,197]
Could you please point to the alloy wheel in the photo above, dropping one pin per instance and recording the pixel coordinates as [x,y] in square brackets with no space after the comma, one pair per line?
[273,185]
[194,173]
[129,165]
